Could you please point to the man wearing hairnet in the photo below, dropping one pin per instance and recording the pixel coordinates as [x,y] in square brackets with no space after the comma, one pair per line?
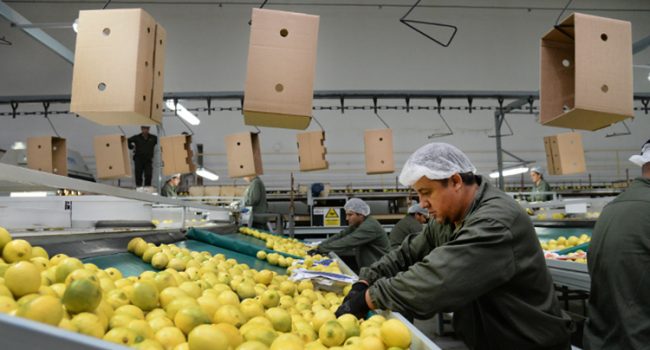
[412,223]
[540,186]
[619,266]
[364,236]
[479,257]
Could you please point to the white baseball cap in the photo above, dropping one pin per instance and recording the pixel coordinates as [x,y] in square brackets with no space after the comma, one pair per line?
[644,157]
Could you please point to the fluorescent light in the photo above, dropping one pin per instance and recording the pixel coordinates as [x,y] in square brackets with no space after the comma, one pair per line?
[203,172]
[75,25]
[509,172]
[28,194]
[18,145]
[183,113]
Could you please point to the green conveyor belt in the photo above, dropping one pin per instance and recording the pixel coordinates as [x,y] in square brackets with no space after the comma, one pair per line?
[548,233]
[251,261]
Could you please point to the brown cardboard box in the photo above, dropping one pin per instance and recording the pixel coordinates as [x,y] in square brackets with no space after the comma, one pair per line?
[586,73]
[244,156]
[118,70]
[239,190]
[112,156]
[379,151]
[279,85]
[176,152]
[47,153]
[565,154]
[213,191]
[228,191]
[199,191]
[311,150]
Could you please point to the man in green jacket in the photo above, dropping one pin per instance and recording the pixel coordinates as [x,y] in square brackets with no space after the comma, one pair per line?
[255,197]
[479,258]
[365,236]
[540,187]
[169,189]
[619,266]
[416,216]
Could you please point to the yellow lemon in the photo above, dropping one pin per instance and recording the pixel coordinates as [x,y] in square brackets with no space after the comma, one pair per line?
[89,324]
[350,324]
[207,337]
[270,298]
[145,295]
[114,273]
[148,344]
[17,250]
[288,288]
[121,335]
[228,297]
[229,314]
[252,345]
[116,298]
[280,319]
[331,334]
[287,341]
[7,304]
[169,337]
[263,335]
[22,278]
[149,253]
[65,267]
[159,323]
[82,296]
[372,343]
[159,261]
[45,309]
[5,237]
[81,274]
[130,310]
[260,254]
[190,317]
[142,329]
[395,334]
[251,308]
[320,317]
[234,337]
[39,252]
[178,304]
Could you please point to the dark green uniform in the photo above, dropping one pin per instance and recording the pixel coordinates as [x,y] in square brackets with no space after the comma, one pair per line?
[619,266]
[490,272]
[255,197]
[143,157]
[537,195]
[168,190]
[407,226]
[368,240]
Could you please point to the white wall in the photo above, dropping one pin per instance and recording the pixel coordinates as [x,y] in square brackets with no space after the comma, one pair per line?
[359,48]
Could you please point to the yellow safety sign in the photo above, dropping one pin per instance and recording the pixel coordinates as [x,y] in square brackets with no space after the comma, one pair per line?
[332,218]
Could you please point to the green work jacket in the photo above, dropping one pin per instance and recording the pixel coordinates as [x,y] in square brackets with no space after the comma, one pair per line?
[406,226]
[368,241]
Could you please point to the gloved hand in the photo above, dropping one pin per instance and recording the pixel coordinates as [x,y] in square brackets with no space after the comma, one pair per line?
[358,287]
[244,210]
[356,305]
[312,252]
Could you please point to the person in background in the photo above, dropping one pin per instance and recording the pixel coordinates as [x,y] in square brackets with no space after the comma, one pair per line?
[412,223]
[619,265]
[479,258]
[255,197]
[143,145]
[169,189]
[364,235]
[189,179]
[539,186]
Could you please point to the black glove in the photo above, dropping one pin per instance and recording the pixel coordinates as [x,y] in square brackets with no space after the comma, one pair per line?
[356,305]
[358,287]
[312,252]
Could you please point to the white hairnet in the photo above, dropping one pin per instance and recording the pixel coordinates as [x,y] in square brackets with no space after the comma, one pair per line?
[644,157]
[416,208]
[358,206]
[436,161]
[538,169]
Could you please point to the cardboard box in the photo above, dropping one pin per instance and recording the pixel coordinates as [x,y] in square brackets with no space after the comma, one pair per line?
[112,156]
[311,151]
[586,73]
[565,154]
[279,87]
[198,191]
[228,191]
[176,153]
[118,70]
[244,156]
[379,151]
[213,191]
[239,190]
[47,153]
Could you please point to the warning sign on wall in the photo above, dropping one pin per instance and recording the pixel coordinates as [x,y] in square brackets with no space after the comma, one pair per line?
[332,218]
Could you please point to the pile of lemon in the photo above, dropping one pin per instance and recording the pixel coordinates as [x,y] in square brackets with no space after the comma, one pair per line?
[281,244]
[214,303]
[564,242]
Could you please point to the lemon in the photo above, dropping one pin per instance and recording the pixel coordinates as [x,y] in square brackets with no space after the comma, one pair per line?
[159,323]
[287,341]
[350,324]
[22,278]
[130,310]
[246,290]
[256,322]
[252,345]
[305,331]
[114,273]
[7,304]
[270,298]
[65,267]
[148,344]
[229,314]
[264,277]
[178,304]
[116,298]
[159,261]
[140,247]
[45,309]
[315,345]
[280,319]
[40,262]
[374,331]
[155,313]
[395,333]
[356,341]
[149,253]
[331,334]
[67,325]
[121,335]
[208,303]
[59,289]
[372,343]
[261,255]
[120,320]
[190,317]
[263,335]
[320,317]
[251,308]
[145,295]
[55,260]
[207,337]
[89,324]
[191,288]
[39,252]
[305,285]
[228,297]
[142,329]
[234,337]
[169,337]
[5,237]
[17,250]
[81,274]
[170,294]
[132,243]
[82,296]
[176,264]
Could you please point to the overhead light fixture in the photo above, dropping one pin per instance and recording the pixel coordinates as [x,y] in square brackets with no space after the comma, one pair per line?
[75,25]
[182,112]
[205,173]
[28,194]
[18,145]
[509,172]
[648,76]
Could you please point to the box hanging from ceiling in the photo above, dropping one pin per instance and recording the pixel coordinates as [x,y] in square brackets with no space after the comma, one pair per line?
[565,154]
[379,151]
[48,154]
[586,73]
[118,72]
[311,151]
[244,156]
[112,156]
[177,156]
[279,87]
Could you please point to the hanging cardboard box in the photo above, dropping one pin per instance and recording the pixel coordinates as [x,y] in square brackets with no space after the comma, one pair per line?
[311,151]
[244,156]
[565,154]
[112,157]
[379,151]
[199,191]
[176,152]
[47,153]
[118,72]
[586,73]
[279,85]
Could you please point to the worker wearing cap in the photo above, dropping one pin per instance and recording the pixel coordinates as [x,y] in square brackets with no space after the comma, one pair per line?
[365,235]
[540,186]
[479,257]
[143,145]
[412,223]
[169,189]
[255,197]
[619,265]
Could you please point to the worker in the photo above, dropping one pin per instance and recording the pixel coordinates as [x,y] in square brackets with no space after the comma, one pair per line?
[416,216]
[479,257]
[540,186]
[364,236]
[619,260]
[255,197]
[169,189]
[143,145]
